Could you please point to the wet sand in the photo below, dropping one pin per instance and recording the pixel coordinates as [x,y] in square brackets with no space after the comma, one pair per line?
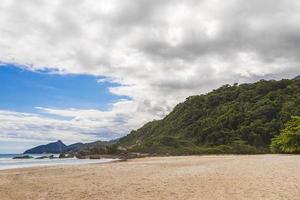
[188,177]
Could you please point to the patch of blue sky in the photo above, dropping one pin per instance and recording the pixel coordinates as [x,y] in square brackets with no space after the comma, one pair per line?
[23,90]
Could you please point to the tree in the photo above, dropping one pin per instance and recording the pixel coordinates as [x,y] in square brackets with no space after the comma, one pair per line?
[289,139]
[251,113]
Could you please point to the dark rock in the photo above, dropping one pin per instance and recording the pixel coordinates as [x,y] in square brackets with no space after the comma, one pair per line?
[23,157]
[81,156]
[42,157]
[94,157]
[66,155]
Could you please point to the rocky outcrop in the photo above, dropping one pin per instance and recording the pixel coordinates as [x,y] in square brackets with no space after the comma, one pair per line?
[44,157]
[23,157]
[66,155]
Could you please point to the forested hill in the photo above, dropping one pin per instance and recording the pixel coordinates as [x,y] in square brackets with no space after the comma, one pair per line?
[232,119]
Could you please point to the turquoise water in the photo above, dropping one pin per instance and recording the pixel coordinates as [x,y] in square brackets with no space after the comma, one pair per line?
[7,161]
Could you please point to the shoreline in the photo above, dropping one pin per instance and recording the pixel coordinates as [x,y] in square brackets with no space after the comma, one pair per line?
[37,163]
[116,159]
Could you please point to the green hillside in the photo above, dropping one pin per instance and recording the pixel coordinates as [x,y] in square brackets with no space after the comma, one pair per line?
[232,119]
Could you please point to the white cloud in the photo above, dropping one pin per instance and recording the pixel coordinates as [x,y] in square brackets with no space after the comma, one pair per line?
[24,126]
[81,125]
[71,125]
[159,51]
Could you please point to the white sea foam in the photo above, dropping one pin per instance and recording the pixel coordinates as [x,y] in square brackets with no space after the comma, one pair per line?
[9,163]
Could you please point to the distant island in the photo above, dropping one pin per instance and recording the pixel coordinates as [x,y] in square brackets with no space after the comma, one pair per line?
[55,147]
[59,147]
[235,119]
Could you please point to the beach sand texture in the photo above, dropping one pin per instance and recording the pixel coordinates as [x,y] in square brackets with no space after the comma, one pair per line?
[187,177]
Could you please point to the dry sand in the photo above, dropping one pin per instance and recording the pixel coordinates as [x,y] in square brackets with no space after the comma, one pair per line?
[190,177]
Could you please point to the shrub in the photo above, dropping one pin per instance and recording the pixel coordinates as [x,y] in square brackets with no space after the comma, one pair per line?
[289,139]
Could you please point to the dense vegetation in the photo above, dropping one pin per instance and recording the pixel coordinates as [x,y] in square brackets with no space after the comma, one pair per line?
[232,119]
[289,139]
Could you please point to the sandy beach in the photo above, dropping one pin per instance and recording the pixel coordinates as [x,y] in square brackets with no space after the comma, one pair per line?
[188,177]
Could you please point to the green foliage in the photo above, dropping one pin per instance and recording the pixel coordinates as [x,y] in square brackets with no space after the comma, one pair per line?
[289,139]
[249,113]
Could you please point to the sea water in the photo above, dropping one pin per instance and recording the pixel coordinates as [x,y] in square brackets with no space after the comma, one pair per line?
[7,161]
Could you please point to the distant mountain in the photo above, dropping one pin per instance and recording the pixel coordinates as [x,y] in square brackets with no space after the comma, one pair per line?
[55,147]
[232,119]
[85,146]
[73,147]
[60,147]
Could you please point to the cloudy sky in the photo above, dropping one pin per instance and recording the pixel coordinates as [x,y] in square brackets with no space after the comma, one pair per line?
[83,70]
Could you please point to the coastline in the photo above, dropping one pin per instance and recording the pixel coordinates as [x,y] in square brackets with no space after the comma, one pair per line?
[10,163]
[184,177]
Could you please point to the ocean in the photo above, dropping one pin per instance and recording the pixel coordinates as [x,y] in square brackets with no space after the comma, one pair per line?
[7,161]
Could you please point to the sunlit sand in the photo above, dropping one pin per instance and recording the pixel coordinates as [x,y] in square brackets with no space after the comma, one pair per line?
[188,177]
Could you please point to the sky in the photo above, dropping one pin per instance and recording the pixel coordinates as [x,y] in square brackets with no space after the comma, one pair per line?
[86,70]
